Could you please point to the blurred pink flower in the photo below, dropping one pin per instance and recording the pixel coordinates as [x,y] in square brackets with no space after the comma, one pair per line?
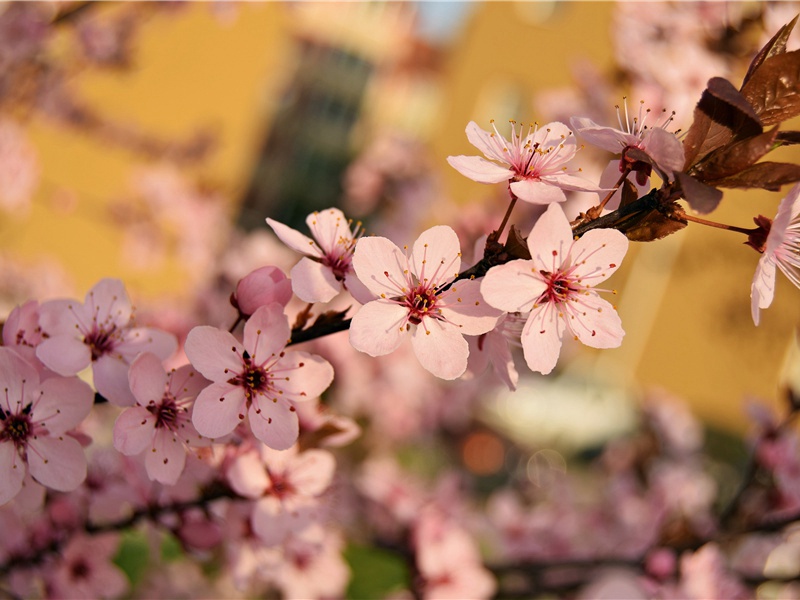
[255,378]
[534,163]
[101,333]
[555,286]
[408,289]
[326,265]
[285,485]
[34,416]
[85,569]
[161,420]
[782,251]
[19,167]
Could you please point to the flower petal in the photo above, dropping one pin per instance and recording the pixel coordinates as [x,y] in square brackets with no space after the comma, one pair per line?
[64,403]
[436,255]
[12,472]
[595,322]
[541,338]
[274,422]
[550,239]
[134,430]
[537,192]
[213,352]
[247,476]
[109,304]
[479,169]
[597,255]
[19,379]
[295,240]
[606,138]
[488,142]
[110,376]
[307,375]
[380,265]
[314,282]
[665,149]
[440,348]
[147,379]
[266,332]
[312,472]
[329,227]
[218,410]
[57,463]
[166,459]
[762,290]
[467,309]
[378,327]
[514,286]
[64,354]
[261,287]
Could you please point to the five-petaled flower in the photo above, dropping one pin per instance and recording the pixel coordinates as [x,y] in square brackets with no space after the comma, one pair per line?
[413,297]
[327,264]
[782,250]
[662,148]
[161,421]
[35,417]
[255,378]
[555,286]
[534,163]
[100,332]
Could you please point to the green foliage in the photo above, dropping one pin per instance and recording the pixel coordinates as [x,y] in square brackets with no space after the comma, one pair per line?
[375,572]
[133,555]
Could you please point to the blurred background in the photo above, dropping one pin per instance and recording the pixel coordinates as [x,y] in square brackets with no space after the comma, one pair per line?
[149,141]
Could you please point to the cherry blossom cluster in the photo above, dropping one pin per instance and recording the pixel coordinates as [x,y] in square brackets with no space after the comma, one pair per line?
[274,448]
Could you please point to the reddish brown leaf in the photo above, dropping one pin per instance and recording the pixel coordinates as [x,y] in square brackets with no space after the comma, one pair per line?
[735,157]
[701,197]
[628,193]
[766,175]
[516,246]
[774,89]
[653,224]
[777,45]
[788,138]
[721,115]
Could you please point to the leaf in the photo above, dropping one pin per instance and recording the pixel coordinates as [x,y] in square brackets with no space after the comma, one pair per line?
[777,45]
[628,193]
[736,157]
[774,89]
[766,175]
[516,246]
[701,197]
[788,138]
[721,115]
[653,224]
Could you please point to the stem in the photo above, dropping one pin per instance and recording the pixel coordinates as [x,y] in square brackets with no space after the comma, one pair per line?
[623,176]
[695,219]
[495,235]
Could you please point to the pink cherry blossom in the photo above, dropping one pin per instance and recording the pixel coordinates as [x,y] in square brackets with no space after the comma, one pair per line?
[263,286]
[101,333]
[556,287]
[782,250]
[85,569]
[22,332]
[327,263]
[661,146]
[255,378]
[161,420]
[34,418]
[411,300]
[534,163]
[285,485]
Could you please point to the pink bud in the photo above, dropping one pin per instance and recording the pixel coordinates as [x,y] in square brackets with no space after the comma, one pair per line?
[261,287]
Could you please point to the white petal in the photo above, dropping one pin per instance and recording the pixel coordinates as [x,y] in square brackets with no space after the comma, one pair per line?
[436,255]
[377,328]
[594,322]
[295,240]
[381,266]
[598,254]
[550,239]
[314,282]
[514,286]
[762,290]
[541,339]
[537,192]
[467,308]
[479,169]
[440,348]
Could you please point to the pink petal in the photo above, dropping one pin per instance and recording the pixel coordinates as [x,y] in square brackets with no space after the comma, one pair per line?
[378,263]
[218,410]
[312,472]
[537,192]
[550,239]
[307,375]
[597,324]
[12,472]
[606,138]
[185,382]
[479,169]
[109,303]
[328,227]
[134,430]
[376,327]
[19,378]
[166,459]
[762,290]
[213,352]
[57,463]
[60,317]
[273,522]
[436,255]
[541,339]
[147,339]
[110,375]
[514,286]
[598,254]
[440,348]
[467,309]
[573,183]
[487,142]
[64,404]
[64,354]
[274,423]
[295,240]
[147,379]
[248,477]
[665,149]
[314,282]
[266,332]
[261,287]
[358,290]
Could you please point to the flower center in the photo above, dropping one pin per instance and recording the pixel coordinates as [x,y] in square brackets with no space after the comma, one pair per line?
[101,342]
[254,379]
[420,302]
[17,428]
[166,413]
[559,287]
